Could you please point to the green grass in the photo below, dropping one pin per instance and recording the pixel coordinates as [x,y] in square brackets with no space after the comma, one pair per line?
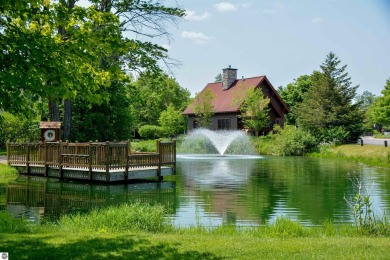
[7,173]
[188,245]
[369,154]
[3,152]
[138,231]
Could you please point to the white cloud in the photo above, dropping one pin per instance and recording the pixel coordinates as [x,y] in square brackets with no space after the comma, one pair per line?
[316,19]
[198,37]
[191,16]
[225,7]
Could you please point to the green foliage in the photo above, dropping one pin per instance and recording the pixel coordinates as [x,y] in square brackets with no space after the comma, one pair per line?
[293,95]
[172,121]
[136,216]
[254,110]
[9,224]
[151,131]
[111,120]
[366,221]
[328,104]
[284,227]
[151,94]
[203,107]
[143,146]
[55,51]
[15,128]
[380,110]
[334,134]
[287,141]
[218,78]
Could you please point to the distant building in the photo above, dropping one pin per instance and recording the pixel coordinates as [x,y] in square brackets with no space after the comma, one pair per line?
[227,112]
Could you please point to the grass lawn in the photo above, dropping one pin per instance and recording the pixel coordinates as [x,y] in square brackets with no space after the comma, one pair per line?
[141,245]
[369,154]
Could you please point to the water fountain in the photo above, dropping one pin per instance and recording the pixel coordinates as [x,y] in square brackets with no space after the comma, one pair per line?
[207,144]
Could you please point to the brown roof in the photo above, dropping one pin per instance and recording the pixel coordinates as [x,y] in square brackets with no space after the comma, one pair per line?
[52,125]
[224,99]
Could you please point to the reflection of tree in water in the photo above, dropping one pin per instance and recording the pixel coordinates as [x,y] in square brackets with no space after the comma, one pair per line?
[36,197]
[310,190]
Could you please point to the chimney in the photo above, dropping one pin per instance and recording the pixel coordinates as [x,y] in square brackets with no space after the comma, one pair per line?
[228,78]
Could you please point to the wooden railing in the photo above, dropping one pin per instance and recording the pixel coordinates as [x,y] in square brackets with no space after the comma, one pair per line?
[102,156]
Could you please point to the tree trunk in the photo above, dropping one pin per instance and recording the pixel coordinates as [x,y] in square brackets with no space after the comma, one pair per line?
[67,118]
[54,111]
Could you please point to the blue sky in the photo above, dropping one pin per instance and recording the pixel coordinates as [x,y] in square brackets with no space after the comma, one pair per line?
[281,39]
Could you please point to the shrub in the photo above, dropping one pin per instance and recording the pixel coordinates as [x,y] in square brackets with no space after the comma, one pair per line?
[287,141]
[150,132]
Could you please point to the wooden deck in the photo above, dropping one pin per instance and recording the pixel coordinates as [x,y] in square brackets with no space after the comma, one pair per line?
[94,161]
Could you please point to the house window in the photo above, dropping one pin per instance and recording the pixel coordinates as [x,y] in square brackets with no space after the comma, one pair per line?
[224,124]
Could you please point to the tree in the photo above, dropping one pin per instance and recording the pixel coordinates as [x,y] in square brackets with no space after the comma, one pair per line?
[327,107]
[254,110]
[151,94]
[54,51]
[204,108]
[218,78]
[172,121]
[366,99]
[380,111]
[293,94]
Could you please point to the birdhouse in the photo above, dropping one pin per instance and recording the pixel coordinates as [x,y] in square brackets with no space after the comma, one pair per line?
[50,131]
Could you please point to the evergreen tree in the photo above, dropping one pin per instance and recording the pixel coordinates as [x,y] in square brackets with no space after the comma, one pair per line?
[327,109]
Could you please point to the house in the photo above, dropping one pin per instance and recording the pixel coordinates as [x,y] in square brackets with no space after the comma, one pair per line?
[227,113]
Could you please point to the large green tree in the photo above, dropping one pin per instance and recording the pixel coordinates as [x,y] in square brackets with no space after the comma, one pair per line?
[54,51]
[151,94]
[293,94]
[380,110]
[327,109]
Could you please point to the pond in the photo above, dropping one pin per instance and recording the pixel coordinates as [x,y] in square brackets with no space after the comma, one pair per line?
[244,191]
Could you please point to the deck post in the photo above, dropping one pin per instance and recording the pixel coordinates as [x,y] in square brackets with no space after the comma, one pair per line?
[127,161]
[28,157]
[8,152]
[159,160]
[60,159]
[90,161]
[45,146]
[108,161]
[174,156]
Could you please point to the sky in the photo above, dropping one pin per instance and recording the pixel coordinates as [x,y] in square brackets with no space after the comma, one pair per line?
[280,39]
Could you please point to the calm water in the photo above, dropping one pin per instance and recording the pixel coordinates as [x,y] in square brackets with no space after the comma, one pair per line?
[242,191]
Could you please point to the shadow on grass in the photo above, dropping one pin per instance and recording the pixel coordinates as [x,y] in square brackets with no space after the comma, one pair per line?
[123,247]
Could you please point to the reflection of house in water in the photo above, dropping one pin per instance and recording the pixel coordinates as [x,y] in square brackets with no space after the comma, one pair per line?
[226,186]
[37,197]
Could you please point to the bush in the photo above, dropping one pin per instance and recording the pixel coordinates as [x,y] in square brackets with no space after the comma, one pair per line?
[151,132]
[287,141]
[17,129]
